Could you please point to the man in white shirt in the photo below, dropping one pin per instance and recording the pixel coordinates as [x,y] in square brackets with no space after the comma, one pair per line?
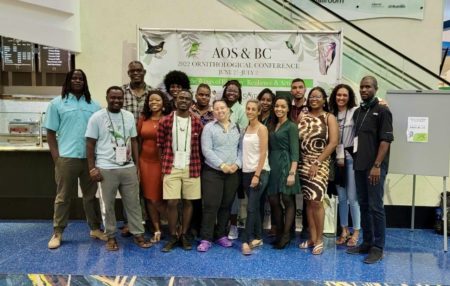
[112,149]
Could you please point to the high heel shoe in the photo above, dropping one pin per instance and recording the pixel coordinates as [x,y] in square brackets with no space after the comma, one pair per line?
[156,237]
[283,242]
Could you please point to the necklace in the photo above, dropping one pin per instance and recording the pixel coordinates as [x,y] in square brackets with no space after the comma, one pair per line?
[185,127]
[155,122]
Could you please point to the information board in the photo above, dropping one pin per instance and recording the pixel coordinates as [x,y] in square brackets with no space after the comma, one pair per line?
[17,55]
[411,154]
[53,60]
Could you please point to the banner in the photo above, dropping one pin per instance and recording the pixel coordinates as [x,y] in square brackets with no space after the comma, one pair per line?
[258,59]
[368,9]
[445,61]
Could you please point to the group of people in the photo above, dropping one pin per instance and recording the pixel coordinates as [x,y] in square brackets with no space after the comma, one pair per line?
[190,159]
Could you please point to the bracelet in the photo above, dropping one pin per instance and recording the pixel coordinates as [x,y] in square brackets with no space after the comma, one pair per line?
[222,165]
[315,162]
[257,176]
[291,173]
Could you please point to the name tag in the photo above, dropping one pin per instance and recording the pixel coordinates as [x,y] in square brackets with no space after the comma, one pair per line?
[121,154]
[355,144]
[180,160]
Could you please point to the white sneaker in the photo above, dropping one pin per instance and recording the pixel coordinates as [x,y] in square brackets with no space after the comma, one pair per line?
[55,241]
[234,233]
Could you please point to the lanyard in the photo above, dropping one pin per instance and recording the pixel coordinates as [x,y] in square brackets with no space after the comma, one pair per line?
[176,132]
[114,131]
[343,126]
[362,122]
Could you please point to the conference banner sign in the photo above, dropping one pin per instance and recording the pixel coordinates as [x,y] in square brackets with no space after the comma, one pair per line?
[368,9]
[258,59]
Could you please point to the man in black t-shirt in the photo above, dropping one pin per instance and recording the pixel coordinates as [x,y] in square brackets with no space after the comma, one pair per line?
[373,135]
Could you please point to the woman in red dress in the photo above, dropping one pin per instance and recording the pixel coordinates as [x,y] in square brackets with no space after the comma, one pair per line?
[156,106]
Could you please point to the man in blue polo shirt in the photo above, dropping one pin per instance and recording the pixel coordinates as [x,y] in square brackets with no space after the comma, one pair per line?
[66,120]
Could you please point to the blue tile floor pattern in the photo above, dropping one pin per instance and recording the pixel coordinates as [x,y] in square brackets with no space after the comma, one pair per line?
[410,258]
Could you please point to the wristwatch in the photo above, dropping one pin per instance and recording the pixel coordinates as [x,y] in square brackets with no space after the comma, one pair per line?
[377,165]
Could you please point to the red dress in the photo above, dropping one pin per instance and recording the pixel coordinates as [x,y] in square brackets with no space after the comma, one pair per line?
[149,161]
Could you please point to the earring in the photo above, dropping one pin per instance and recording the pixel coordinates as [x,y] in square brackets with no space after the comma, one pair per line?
[163,109]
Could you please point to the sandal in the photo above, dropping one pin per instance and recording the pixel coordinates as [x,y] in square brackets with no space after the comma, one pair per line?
[125,231]
[141,242]
[255,243]
[111,244]
[353,240]
[342,239]
[156,237]
[246,250]
[306,244]
[318,249]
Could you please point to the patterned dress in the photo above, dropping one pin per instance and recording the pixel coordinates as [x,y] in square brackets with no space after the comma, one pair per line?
[313,132]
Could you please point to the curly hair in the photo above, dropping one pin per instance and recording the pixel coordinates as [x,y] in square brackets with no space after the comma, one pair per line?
[351,98]
[176,77]
[225,87]
[67,85]
[147,112]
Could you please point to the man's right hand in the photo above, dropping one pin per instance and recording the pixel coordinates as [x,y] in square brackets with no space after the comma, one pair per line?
[95,175]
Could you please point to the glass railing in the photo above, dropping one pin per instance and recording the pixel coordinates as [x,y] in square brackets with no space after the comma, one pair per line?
[363,54]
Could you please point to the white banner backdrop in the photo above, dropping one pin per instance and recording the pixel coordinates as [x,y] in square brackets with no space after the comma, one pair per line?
[258,59]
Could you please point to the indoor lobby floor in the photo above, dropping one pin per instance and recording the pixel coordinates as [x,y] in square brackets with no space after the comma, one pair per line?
[410,258]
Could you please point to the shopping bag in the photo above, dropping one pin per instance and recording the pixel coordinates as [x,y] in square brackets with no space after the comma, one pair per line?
[330,204]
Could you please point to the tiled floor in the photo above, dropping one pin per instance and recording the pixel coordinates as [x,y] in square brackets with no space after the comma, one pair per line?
[410,257]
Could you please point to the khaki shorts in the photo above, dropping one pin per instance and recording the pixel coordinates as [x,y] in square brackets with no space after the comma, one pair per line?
[178,184]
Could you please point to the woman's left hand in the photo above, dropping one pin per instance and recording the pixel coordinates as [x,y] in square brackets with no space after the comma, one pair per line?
[290,180]
[313,171]
[255,182]
[233,168]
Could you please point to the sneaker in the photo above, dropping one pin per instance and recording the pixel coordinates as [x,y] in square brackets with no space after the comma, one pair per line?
[204,246]
[223,241]
[170,244]
[185,242]
[234,233]
[55,241]
[363,248]
[375,255]
[98,234]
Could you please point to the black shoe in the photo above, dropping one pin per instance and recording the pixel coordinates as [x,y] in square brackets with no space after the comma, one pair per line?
[170,244]
[375,255]
[363,248]
[283,242]
[185,242]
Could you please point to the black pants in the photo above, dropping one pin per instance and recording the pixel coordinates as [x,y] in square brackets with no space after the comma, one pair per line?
[218,192]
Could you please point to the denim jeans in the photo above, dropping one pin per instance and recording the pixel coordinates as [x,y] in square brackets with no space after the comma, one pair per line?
[253,223]
[373,217]
[347,195]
